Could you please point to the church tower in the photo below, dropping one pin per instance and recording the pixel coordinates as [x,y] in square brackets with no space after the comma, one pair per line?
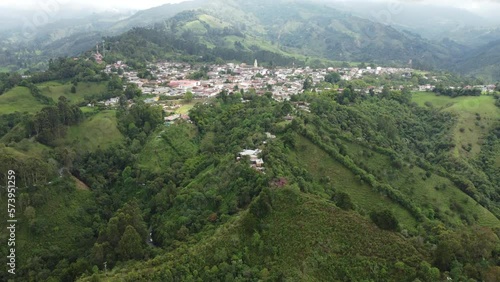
[255,64]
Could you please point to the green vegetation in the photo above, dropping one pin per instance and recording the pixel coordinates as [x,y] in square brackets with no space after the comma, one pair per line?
[98,131]
[185,108]
[440,198]
[56,223]
[52,121]
[19,99]
[83,90]
[399,186]
[476,116]
[328,172]
[303,237]
[168,144]
[348,192]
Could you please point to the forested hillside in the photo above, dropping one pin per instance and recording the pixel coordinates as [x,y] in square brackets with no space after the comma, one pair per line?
[278,33]
[310,32]
[345,178]
[352,187]
[481,62]
[306,169]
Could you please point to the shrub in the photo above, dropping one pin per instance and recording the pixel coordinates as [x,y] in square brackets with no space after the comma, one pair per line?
[385,220]
[343,201]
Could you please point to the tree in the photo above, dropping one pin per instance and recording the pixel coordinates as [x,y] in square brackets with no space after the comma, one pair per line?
[188,96]
[130,246]
[343,201]
[24,200]
[406,95]
[308,83]
[115,83]
[332,77]
[386,92]
[132,91]
[73,89]
[385,220]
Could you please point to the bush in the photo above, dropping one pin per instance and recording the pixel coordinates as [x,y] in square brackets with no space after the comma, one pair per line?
[343,201]
[385,220]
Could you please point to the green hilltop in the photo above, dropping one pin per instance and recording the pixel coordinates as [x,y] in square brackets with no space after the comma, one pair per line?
[276,33]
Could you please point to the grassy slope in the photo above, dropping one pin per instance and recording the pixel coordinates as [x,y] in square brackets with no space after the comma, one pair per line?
[99,130]
[320,165]
[466,109]
[311,239]
[54,90]
[185,108]
[306,228]
[31,148]
[19,99]
[410,181]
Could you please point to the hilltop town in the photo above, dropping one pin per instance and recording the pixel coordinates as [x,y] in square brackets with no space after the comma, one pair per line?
[167,80]
[175,79]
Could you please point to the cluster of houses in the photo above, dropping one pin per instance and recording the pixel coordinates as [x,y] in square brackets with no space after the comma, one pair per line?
[255,161]
[355,73]
[484,88]
[172,78]
[175,117]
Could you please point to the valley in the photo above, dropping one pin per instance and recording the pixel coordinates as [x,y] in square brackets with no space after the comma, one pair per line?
[230,140]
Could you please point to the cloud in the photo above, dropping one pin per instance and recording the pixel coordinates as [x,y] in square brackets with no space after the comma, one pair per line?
[464,4]
[96,4]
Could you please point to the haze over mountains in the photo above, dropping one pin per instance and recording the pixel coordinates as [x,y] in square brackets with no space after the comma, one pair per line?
[443,37]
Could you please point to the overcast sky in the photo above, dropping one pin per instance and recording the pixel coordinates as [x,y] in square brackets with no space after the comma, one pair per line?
[476,5]
[101,4]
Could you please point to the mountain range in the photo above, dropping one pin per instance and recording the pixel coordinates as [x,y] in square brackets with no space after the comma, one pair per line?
[335,31]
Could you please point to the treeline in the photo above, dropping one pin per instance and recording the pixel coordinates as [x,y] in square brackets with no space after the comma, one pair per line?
[29,170]
[139,121]
[9,81]
[440,90]
[122,238]
[419,136]
[51,122]
[35,92]
[79,69]
[9,121]
[370,179]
